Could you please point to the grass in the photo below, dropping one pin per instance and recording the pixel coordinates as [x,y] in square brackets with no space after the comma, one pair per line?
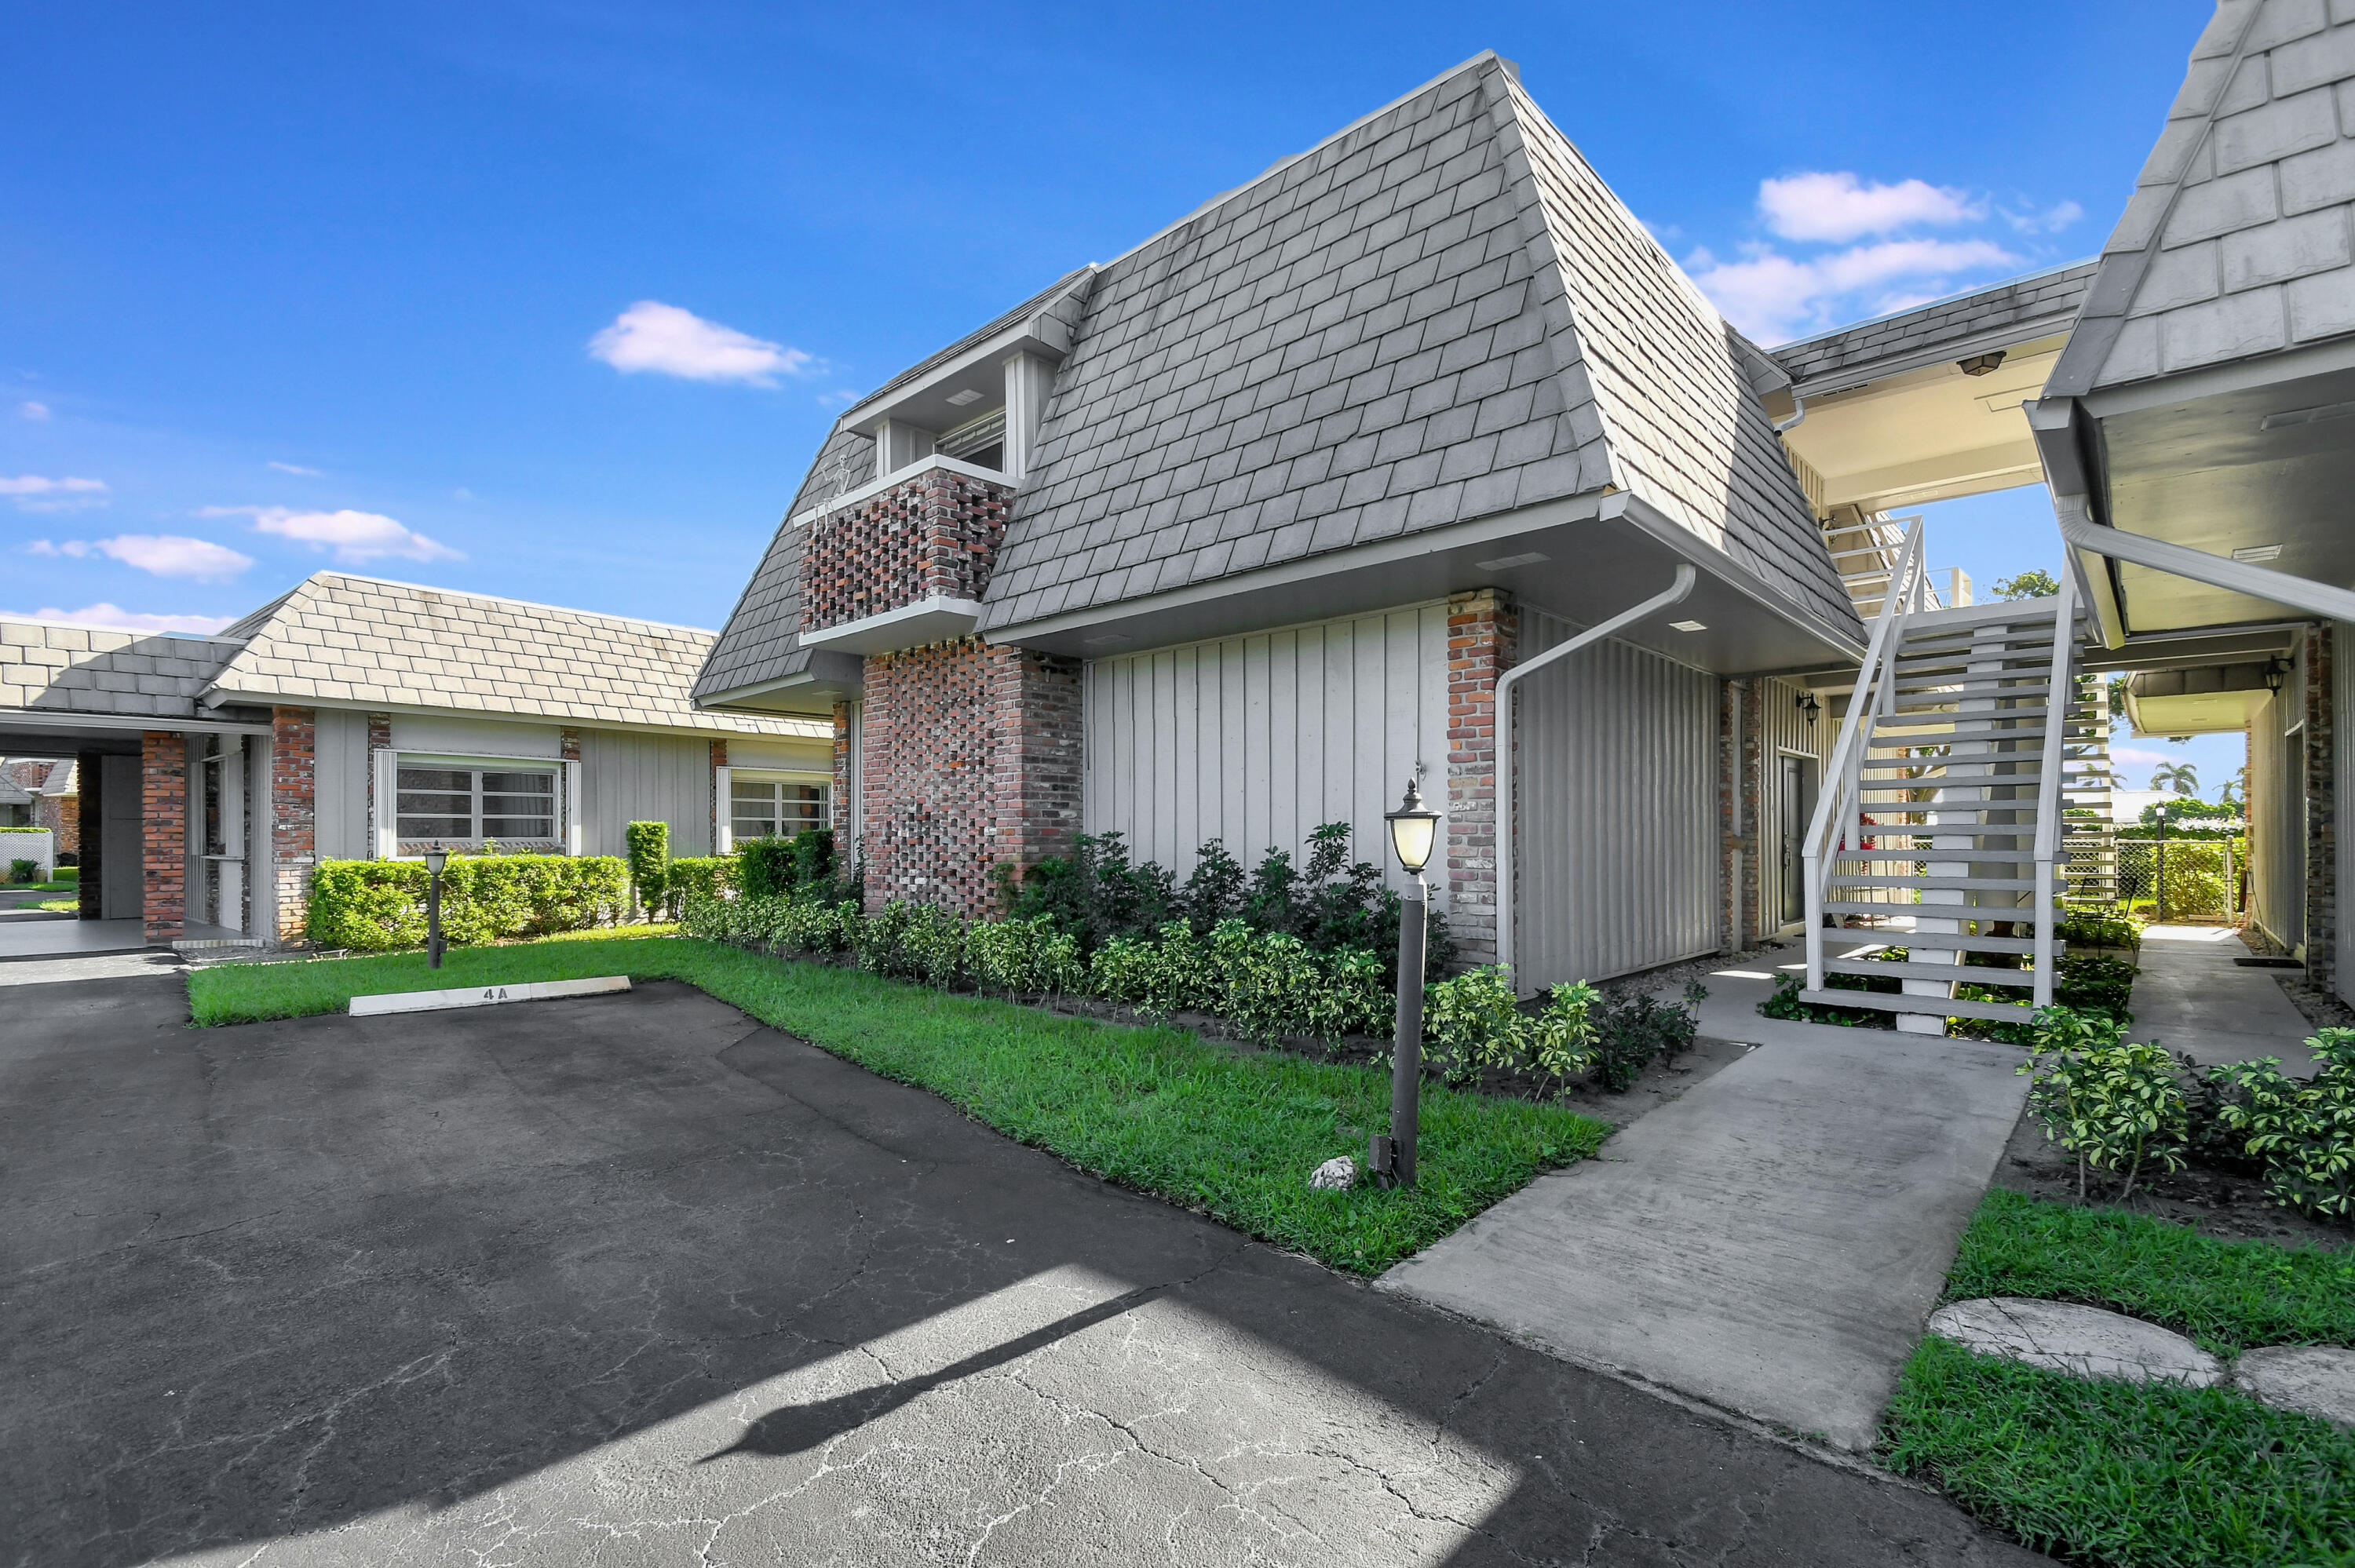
[1230,1133]
[2132,1474]
[2227,1296]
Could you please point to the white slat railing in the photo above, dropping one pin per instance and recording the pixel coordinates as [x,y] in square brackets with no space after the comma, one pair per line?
[2048,789]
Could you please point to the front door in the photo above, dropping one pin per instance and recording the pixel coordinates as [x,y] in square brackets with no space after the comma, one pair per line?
[1796,784]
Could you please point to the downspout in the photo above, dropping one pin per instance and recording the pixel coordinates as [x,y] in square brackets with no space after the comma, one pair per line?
[1675,594]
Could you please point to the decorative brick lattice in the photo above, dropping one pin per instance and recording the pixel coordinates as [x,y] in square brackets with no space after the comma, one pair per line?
[1483,638]
[842,803]
[935,535]
[163,839]
[294,812]
[2321,815]
[970,757]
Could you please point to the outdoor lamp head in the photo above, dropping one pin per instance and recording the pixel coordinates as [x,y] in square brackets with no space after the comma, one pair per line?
[1413,829]
[435,859]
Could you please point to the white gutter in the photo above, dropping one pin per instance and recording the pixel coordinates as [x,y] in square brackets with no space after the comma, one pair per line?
[2216,571]
[1686,574]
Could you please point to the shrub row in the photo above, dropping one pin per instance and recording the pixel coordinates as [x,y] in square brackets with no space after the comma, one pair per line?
[1270,986]
[372,905]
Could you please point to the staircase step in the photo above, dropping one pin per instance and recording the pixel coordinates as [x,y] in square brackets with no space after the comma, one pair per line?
[1975,974]
[1938,884]
[1949,1007]
[1941,911]
[1949,729]
[1932,852]
[1941,942]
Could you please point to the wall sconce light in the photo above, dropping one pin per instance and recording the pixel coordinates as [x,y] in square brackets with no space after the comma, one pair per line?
[2276,669]
[1809,707]
[1980,364]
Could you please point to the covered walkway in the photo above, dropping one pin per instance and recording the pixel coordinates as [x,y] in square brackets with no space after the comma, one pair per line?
[2193,998]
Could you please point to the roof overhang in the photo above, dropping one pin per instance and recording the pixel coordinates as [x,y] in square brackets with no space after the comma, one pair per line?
[39,732]
[2204,699]
[1585,558]
[980,370]
[827,677]
[935,618]
[2254,459]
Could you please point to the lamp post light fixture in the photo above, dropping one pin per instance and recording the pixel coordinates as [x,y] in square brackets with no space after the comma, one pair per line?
[435,859]
[1415,831]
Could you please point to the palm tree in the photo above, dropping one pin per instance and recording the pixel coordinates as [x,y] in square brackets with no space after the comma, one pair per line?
[2180,776]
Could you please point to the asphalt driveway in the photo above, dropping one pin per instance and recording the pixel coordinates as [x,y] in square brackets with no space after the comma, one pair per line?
[634,1280]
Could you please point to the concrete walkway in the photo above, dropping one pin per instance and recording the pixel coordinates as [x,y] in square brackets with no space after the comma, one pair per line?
[31,937]
[2192,998]
[1773,1241]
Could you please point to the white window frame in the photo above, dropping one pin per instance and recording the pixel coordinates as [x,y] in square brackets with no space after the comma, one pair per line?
[726,780]
[564,808]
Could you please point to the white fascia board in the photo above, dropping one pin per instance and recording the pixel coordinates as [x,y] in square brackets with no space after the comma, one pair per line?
[874,487]
[55,718]
[720,724]
[938,619]
[2014,336]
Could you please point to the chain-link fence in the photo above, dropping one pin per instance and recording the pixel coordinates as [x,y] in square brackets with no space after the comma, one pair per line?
[2184,879]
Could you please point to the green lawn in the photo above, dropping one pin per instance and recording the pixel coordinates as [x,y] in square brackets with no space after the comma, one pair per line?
[2129,1474]
[2228,1296]
[2134,1475]
[1232,1133]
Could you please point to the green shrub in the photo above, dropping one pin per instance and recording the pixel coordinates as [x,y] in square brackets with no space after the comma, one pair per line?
[1633,1030]
[1562,1043]
[649,852]
[711,876]
[1471,1021]
[932,946]
[373,905]
[2113,1106]
[765,868]
[2304,1132]
[24,870]
[2113,927]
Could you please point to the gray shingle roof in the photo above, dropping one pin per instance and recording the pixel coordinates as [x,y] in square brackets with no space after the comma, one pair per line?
[1439,314]
[351,641]
[2240,239]
[82,669]
[2029,304]
[761,641]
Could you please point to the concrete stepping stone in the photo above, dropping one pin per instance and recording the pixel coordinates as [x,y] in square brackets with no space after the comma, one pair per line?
[2083,1342]
[2313,1379]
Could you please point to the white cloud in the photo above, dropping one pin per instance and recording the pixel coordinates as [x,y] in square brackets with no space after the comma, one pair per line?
[34,493]
[355,537]
[1772,296]
[651,335]
[165,555]
[1839,206]
[122,620]
[294,468]
[28,410]
[2051,220]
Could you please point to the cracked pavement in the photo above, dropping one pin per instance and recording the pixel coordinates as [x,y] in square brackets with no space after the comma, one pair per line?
[634,1280]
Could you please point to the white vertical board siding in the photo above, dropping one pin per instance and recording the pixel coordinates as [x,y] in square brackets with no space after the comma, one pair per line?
[627,777]
[1257,740]
[2277,823]
[1784,729]
[340,777]
[1617,798]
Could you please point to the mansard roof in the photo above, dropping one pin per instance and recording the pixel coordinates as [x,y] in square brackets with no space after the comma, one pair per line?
[1439,314]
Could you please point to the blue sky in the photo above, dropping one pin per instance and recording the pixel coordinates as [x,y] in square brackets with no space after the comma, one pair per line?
[557,299]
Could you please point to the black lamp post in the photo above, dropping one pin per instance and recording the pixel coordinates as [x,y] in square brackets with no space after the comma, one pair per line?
[435,859]
[1413,832]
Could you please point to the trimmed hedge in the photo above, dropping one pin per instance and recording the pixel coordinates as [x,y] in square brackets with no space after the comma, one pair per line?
[373,905]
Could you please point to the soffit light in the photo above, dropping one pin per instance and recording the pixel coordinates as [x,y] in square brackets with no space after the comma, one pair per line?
[1688,626]
[959,399]
[1980,364]
[2256,552]
[2305,415]
[1413,829]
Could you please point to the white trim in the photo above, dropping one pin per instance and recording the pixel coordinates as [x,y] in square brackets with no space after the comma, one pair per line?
[53,718]
[384,832]
[936,618]
[874,487]
[390,761]
[573,806]
[723,814]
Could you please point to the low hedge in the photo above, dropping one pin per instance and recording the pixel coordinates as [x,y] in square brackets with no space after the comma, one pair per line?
[373,905]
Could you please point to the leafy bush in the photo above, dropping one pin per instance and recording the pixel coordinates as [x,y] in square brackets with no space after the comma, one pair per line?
[709,876]
[2305,1132]
[934,946]
[2113,1104]
[779,866]
[1633,1030]
[24,870]
[1473,1021]
[649,855]
[373,905]
[1025,958]
[1786,1003]
[2113,927]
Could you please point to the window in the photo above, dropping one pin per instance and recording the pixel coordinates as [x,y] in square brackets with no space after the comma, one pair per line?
[476,803]
[766,807]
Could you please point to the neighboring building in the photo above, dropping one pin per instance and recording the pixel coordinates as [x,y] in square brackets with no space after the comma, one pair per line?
[1234,535]
[15,800]
[357,719]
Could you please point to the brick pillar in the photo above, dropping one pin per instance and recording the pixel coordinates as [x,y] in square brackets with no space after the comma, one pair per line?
[1483,638]
[1035,755]
[89,832]
[380,738]
[568,744]
[1739,797]
[2321,815]
[164,832]
[843,847]
[293,813]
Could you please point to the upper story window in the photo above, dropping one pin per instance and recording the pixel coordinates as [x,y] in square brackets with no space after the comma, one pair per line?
[468,805]
[981,442]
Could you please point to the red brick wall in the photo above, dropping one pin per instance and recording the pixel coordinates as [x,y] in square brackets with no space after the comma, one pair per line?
[842,784]
[1483,637]
[164,832]
[1741,798]
[61,814]
[936,534]
[293,813]
[971,756]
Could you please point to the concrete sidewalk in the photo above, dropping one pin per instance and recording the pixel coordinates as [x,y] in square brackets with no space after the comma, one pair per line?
[1773,1241]
[2192,998]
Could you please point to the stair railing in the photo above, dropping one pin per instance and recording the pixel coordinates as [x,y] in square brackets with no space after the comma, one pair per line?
[2057,693]
[1837,804]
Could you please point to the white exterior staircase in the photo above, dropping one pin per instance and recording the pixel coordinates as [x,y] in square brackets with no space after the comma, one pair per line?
[1939,826]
